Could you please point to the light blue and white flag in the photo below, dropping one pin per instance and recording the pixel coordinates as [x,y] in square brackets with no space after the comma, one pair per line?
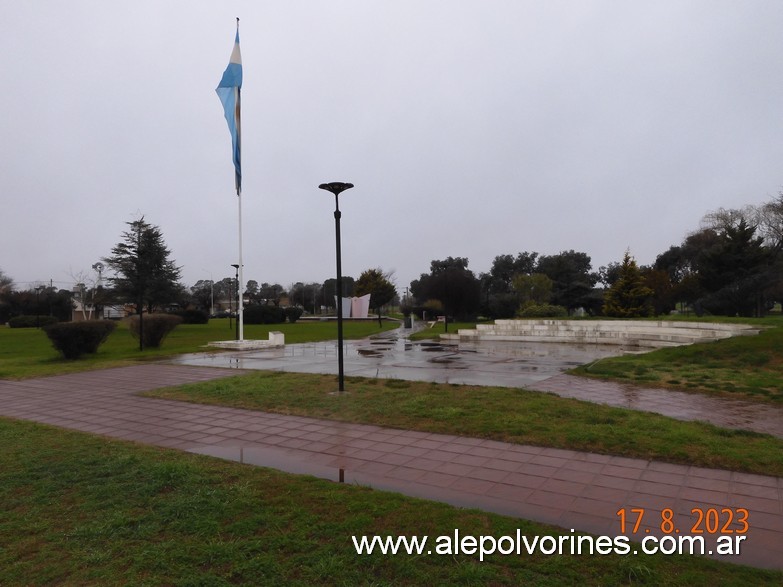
[228,91]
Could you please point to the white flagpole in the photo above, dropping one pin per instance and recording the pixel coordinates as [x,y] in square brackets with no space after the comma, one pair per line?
[240,285]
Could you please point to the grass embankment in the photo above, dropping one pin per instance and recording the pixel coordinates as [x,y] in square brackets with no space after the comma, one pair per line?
[747,367]
[84,510]
[511,415]
[27,352]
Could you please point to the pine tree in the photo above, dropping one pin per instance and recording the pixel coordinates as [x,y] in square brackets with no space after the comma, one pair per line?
[628,297]
[145,276]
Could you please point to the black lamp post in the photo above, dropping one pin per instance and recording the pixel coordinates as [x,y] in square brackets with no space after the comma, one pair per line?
[236,282]
[336,187]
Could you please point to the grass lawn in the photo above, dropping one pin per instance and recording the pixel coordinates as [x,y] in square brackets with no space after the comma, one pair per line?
[748,367]
[500,413]
[27,352]
[80,509]
[83,510]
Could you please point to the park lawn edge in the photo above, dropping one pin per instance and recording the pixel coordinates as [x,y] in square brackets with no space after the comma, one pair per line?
[160,516]
[518,416]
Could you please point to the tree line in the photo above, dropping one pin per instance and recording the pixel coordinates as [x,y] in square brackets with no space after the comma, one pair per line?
[732,264]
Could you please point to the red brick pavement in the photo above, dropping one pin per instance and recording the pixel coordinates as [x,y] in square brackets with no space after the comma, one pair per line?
[571,489]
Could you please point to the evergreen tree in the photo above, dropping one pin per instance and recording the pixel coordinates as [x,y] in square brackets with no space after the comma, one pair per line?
[736,271]
[628,297]
[144,274]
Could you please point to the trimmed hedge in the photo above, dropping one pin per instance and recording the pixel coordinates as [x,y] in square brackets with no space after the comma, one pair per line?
[156,328]
[542,311]
[74,339]
[31,321]
[293,313]
[259,314]
[192,316]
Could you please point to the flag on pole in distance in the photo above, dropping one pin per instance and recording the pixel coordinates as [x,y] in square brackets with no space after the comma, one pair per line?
[228,91]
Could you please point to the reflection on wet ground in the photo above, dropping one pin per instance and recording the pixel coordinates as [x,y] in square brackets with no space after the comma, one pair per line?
[537,366]
[393,356]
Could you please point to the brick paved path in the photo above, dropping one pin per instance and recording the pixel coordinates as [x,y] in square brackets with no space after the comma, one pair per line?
[575,490]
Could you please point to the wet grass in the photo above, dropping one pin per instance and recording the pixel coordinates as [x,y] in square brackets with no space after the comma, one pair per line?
[83,510]
[27,352]
[510,415]
[745,367]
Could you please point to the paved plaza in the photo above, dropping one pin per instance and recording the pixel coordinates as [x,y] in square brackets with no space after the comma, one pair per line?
[574,490]
[538,366]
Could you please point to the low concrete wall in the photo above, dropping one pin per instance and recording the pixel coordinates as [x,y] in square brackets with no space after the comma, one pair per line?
[637,333]
[276,339]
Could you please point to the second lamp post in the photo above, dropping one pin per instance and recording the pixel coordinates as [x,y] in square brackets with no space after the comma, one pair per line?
[336,187]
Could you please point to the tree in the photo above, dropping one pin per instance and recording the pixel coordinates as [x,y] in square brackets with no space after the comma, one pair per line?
[329,290]
[572,281]
[203,294]
[252,290]
[305,295]
[736,271]
[6,283]
[452,284]
[535,288]
[271,293]
[663,298]
[500,299]
[771,223]
[628,297]
[378,284]
[144,274]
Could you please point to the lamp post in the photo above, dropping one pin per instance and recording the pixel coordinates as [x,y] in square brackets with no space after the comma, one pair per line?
[336,187]
[236,266]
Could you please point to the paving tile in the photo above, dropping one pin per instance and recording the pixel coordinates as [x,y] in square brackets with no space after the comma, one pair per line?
[571,489]
[438,479]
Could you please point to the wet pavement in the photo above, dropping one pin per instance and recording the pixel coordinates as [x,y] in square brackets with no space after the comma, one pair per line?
[393,356]
[528,365]
[574,490]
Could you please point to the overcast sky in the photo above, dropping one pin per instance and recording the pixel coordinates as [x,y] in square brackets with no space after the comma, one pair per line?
[470,128]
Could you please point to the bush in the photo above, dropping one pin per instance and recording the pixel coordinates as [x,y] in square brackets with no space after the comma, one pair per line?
[74,339]
[192,316]
[259,314]
[293,313]
[156,328]
[542,311]
[31,321]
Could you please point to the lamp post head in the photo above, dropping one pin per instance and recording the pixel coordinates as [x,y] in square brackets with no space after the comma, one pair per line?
[235,265]
[336,187]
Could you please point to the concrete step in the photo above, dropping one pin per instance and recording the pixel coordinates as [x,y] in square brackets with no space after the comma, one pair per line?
[623,332]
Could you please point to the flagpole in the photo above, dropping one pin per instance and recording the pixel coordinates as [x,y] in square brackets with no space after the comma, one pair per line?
[229,91]
[240,285]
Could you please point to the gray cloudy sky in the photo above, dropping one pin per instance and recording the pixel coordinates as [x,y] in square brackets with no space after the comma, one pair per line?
[470,128]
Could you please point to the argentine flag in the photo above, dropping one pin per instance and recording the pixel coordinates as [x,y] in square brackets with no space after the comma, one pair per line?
[228,91]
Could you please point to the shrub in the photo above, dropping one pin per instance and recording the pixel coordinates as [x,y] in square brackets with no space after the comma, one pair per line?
[31,321]
[74,339]
[156,328]
[542,311]
[293,313]
[260,314]
[192,316]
